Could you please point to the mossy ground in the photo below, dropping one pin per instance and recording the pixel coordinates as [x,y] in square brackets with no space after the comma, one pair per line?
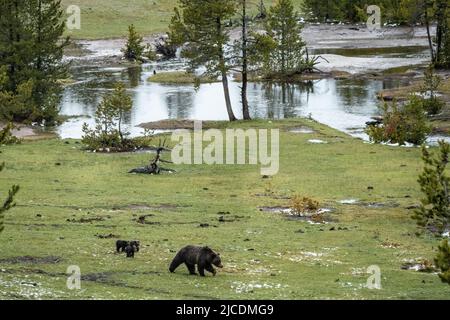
[264,254]
[179,77]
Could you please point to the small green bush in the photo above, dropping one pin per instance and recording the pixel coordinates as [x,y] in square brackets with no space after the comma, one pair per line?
[406,124]
[442,261]
[6,136]
[108,134]
[434,213]
[431,103]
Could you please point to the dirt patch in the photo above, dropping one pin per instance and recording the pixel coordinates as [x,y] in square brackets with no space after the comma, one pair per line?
[419,265]
[32,260]
[107,236]
[370,205]
[86,220]
[142,220]
[318,217]
[146,207]
[29,132]
[180,124]
[301,130]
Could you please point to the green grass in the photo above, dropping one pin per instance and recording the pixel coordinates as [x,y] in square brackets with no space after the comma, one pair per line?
[111,18]
[178,78]
[258,249]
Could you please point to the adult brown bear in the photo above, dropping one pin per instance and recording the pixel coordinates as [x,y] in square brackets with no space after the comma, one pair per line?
[203,257]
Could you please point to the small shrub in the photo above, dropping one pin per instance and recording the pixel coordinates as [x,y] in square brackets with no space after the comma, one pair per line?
[442,261]
[431,103]
[434,212]
[6,136]
[303,205]
[108,134]
[318,218]
[433,106]
[406,124]
[9,202]
[134,49]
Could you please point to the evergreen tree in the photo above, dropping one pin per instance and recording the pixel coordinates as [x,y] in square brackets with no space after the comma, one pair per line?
[31,51]
[109,118]
[442,16]
[201,26]
[9,202]
[442,261]
[134,49]
[284,27]
[434,212]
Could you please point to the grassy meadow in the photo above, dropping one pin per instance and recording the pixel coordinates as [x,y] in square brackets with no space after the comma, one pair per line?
[110,18]
[70,199]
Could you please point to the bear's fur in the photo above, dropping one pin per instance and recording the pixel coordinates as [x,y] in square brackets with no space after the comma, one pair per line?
[121,245]
[130,250]
[136,244]
[203,257]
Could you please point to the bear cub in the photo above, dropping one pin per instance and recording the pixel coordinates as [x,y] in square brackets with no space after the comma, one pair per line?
[203,257]
[129,247]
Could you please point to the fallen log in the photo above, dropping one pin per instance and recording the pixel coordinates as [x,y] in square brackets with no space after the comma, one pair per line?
[154,167]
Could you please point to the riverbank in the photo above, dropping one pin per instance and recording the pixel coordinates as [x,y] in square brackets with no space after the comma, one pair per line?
[345,47]
[27,132]
[75,205]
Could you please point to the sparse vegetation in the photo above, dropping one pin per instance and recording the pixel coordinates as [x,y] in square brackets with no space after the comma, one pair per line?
[109,134]
[9,202]
[431,102]
[180,77]
[301,205]
[401,124]
[6,136]
[434,212]
[442,261]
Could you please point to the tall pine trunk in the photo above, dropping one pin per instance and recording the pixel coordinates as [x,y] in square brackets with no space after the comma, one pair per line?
[226,91]
[223,70]
[245,107]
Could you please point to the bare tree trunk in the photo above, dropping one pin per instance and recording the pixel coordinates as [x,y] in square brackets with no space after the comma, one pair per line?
[245,107]
[120,128]
[226,91]
[223,70]
[430,40]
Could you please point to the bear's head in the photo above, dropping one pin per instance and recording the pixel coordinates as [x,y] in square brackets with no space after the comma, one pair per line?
[217,261]
[212,257]
[135,244]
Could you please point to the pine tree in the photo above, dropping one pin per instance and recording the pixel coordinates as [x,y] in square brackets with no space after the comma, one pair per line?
[201,25]
[9,202]
[284,27]
[134,49]
[31,51]
[109,118]
[442,261]
[442,16]
[434,212]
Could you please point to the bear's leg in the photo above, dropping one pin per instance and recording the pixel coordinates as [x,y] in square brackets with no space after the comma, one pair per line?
[201,270]
[191,268]
[211,269]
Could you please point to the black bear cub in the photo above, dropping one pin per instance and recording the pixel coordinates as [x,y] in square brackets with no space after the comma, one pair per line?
[121,245]
[130,250]
[203,257]
[129,247]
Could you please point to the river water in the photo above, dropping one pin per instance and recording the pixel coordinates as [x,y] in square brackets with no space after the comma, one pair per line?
[342,104]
